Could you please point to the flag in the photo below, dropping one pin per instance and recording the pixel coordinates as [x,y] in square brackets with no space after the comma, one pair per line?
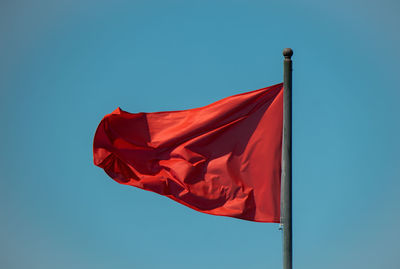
[221,159]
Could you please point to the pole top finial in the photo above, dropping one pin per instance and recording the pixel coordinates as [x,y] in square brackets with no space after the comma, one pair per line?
[288,52]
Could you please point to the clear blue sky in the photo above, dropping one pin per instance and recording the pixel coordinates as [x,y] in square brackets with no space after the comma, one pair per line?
[65,64]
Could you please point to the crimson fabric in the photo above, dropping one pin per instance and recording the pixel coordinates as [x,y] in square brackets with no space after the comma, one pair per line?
[221,159]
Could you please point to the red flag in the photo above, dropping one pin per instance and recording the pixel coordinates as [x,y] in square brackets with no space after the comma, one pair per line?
[221,159]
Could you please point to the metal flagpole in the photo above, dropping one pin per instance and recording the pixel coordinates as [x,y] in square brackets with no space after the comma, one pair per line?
[286,182]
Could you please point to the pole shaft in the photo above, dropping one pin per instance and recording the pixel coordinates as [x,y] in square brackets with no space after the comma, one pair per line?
[286,188]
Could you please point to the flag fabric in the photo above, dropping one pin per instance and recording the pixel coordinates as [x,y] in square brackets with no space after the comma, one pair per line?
[221,159]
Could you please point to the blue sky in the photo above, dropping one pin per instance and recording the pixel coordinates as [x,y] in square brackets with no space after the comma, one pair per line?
[65,64]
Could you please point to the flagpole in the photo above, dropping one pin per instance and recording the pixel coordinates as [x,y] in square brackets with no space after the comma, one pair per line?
[286,186]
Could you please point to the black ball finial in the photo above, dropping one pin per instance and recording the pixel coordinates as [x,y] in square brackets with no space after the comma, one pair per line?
[288,52]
